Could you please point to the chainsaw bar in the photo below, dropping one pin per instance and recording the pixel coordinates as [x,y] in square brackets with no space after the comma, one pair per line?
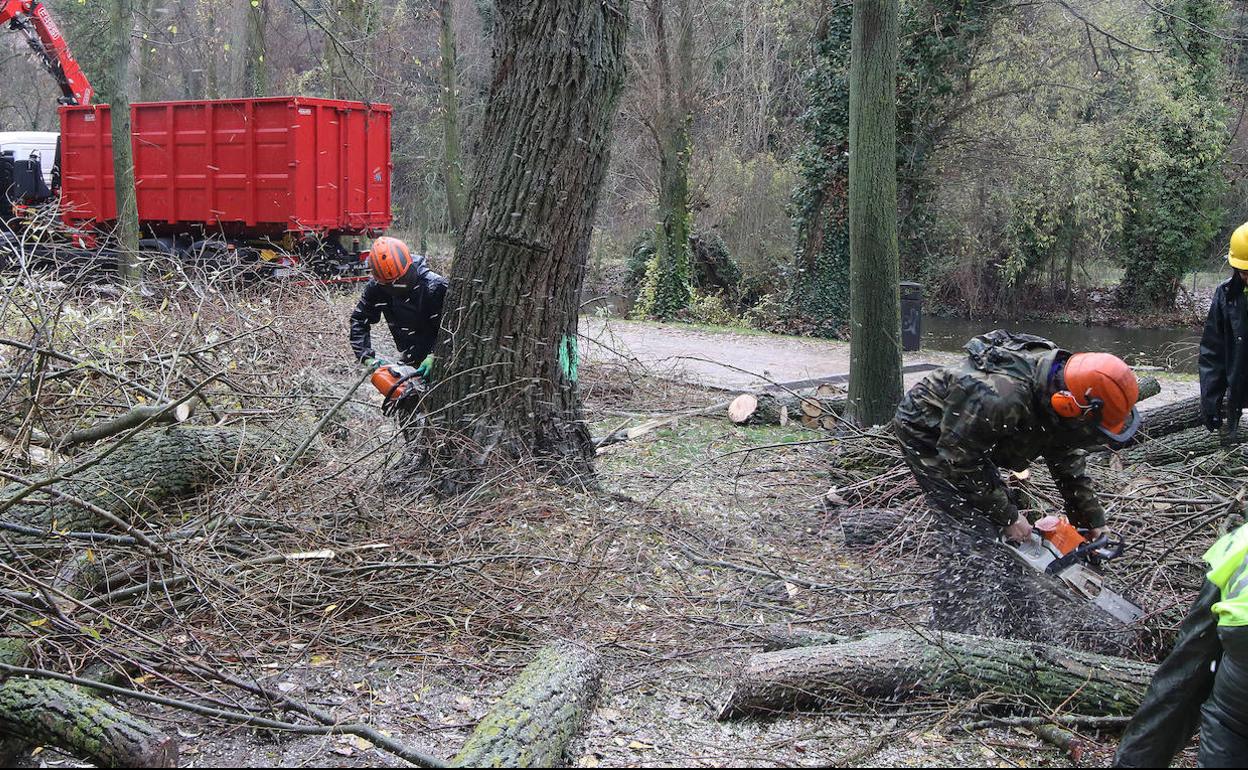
[1077,576]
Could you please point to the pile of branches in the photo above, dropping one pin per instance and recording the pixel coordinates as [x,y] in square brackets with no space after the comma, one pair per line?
[188,476]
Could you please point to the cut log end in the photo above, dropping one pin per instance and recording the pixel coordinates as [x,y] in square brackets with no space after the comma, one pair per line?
[742,408]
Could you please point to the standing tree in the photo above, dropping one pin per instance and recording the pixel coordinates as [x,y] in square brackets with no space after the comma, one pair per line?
[251,78]
[452,166]
[875,304]
[509,358]
[665,290]
[121,21]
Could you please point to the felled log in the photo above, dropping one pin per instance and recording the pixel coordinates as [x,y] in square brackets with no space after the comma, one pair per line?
[45,712]
[1187,445]
[865,527]
[896,666]
[153,467]
[151,414]
[1149,387]
[539,715]
[48,712]
[823,408]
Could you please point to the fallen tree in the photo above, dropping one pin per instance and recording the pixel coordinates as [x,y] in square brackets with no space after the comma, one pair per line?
[900,665]
[47,712]
[540,713]
[148,469]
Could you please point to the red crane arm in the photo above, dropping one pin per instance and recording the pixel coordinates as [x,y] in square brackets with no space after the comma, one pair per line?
[31,18]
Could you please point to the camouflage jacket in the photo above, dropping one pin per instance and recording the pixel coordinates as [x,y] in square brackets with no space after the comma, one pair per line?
[990,413]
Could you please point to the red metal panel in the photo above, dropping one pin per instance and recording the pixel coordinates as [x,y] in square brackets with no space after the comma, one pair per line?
[245,166]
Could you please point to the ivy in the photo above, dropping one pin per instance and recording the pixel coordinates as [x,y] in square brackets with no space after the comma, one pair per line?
[1173,160]
[938,43]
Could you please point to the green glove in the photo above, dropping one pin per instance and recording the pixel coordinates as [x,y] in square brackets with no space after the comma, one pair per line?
[372,362]
[425,370]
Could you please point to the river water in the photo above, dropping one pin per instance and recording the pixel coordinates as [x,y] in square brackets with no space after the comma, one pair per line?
[1173,349]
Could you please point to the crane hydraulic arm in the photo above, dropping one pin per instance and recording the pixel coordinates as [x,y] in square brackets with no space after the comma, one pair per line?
[31,18]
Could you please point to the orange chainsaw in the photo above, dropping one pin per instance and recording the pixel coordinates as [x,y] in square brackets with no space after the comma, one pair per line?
[1058,549]
[399,384]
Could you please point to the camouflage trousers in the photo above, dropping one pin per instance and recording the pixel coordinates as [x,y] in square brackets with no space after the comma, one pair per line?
[979,587]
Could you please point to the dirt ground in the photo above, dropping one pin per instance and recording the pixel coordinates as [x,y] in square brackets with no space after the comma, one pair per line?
[697,540]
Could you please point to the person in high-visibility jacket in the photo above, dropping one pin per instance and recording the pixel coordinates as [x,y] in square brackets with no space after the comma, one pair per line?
[1203,682]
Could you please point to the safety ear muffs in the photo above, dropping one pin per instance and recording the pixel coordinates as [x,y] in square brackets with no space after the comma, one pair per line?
[1065,405]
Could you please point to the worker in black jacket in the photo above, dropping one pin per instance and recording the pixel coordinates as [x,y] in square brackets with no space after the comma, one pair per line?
[1223,355]
[409,295]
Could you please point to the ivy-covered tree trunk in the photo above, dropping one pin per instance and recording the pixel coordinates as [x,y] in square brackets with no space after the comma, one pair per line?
[938,42]
[875,299]
[1176,189]
[669,280]
[452,166]
[121,17]
[254,75]
[508,382]
[819,285]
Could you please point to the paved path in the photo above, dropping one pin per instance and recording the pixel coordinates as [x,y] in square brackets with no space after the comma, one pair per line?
[737,361]
[726,359]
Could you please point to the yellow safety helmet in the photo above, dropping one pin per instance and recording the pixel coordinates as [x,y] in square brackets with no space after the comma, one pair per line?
[1238,256]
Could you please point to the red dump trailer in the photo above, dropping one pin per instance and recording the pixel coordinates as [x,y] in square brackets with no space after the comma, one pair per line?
[298,172]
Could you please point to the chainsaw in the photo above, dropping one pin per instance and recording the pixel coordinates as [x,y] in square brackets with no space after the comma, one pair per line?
[1057,549]
[398,384]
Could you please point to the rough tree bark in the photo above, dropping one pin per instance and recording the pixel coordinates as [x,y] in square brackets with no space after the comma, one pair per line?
[509,380]
[452,166]
[154,467]
[899,665]
[47,712]
[666,289]
[539,715]
[1184,446]
[874,271]
[253,75]
[121,16]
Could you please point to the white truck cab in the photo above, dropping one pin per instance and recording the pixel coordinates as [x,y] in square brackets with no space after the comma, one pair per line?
[24,144]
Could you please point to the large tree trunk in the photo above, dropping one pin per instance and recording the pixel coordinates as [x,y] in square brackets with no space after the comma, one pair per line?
[899,665]
[253,75]
[48,712]
[121,15]
[539,715]
[452,166]
[154,467]
[669,276]
[511,359]
[874,272]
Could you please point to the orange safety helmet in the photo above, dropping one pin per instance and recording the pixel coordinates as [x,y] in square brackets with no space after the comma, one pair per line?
[389,259]
[1103,384]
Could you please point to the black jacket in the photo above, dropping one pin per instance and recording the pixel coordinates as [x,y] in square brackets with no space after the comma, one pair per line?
[413,310]
[1170,712]
[1224,354]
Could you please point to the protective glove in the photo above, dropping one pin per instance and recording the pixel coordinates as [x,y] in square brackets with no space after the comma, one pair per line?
[425,370]
[373,362]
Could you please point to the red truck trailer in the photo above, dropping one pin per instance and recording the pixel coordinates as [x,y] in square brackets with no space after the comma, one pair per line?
[297,172]
[272,180]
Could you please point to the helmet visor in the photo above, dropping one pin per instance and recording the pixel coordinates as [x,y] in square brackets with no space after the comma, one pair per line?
[1124,430]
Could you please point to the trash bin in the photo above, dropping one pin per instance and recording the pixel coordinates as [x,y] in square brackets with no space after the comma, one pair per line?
[911,316]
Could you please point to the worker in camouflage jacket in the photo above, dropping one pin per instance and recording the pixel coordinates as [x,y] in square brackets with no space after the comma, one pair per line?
[1014,399]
